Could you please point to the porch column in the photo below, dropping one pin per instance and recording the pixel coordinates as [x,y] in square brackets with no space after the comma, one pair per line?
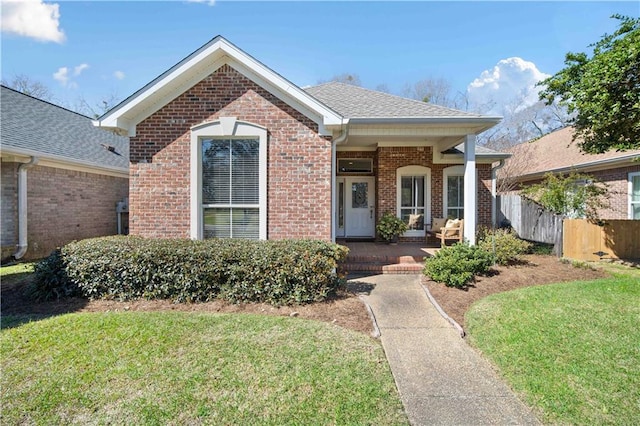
[470,189]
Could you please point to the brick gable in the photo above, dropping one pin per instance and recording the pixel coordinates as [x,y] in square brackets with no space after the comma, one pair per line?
[298,165]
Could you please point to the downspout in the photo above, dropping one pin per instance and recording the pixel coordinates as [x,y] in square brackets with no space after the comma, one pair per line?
[494,193]
[23,244]
[334,202]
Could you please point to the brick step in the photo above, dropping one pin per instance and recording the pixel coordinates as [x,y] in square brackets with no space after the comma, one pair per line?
[383,264]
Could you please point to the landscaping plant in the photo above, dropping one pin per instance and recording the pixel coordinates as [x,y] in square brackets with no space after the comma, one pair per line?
[505,245]
[457,265]
[125,268]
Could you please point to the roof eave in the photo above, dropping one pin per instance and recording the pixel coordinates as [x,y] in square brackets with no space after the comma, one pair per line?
[482,122]
[590,166]
[62,159]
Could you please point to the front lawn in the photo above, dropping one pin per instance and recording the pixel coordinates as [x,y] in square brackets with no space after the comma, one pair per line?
[573,350]
[192,368]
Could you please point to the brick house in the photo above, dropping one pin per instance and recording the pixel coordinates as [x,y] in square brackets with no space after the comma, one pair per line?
[61,176]
[557,153]
[223,146]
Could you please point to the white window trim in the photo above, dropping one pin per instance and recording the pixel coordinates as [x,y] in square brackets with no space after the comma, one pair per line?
[629,193]
[414,171]
[446,172]
[232,128]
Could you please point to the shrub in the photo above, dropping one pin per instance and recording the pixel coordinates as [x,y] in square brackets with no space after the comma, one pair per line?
[124,268]
[50,280]
[504,244]
[457,265]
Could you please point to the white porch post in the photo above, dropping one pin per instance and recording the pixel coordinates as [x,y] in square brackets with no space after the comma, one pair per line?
[470,185]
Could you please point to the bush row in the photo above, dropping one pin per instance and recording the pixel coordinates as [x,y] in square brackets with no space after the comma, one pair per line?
[124,268]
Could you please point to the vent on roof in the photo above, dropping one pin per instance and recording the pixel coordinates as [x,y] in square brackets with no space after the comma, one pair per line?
[109,148]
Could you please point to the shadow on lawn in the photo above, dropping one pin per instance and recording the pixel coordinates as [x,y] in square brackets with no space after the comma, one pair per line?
[18,307]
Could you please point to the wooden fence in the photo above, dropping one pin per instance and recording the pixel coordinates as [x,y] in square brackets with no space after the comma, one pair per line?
[608,239]
[531,221]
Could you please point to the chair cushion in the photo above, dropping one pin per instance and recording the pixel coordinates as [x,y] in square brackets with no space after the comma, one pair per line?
[452,223]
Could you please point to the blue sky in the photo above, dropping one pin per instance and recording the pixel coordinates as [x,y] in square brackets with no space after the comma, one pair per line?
[117,47]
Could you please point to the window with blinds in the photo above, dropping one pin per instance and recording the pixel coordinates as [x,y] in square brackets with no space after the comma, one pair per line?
[455,197]
[634,195]
[230,188]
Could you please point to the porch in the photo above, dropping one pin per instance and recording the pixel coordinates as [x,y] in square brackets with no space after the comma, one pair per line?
[382,258]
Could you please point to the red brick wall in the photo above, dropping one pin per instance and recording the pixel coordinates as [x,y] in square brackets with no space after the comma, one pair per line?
[298,171]
[388,159]
[63,206]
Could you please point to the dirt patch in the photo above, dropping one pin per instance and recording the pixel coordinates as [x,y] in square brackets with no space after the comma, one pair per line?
[345,309]
[535,270]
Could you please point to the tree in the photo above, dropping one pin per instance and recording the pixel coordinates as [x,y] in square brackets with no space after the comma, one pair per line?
[25,84]
[347,78]
[435,91]
[603,91]
[575,196]
[82,106]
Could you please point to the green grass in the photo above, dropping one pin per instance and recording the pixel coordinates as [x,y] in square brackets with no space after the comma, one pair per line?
[15,273]
[572,350]
[188,368]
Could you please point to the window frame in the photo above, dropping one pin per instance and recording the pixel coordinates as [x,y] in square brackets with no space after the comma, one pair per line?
[414,171]
[630,203]
[446,174]
[225,128]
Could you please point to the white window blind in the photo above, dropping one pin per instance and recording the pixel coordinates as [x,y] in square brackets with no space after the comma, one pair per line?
[230,188]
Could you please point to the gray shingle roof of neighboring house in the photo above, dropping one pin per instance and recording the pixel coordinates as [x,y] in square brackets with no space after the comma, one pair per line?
[357,102]
[480,151]
[28,124]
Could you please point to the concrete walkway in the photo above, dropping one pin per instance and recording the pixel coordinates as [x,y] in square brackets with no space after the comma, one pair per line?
[441,379]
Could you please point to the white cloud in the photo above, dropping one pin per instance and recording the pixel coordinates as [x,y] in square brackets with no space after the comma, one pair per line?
[510,84]
[119,75]
[78,69]
[62,75]
[33,19]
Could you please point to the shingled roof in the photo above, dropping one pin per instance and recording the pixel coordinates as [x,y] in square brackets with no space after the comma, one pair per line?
[30,126]
[556,152]
[356,102]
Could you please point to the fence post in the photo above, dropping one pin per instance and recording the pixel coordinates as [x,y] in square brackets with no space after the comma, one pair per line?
[558,245]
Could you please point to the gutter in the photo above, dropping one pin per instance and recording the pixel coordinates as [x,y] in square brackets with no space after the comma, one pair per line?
[23,243]
[494,191]
[334,143]
[592,166]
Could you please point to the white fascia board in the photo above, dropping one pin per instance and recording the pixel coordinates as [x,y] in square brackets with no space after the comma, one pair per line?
[185,75]
[60,162]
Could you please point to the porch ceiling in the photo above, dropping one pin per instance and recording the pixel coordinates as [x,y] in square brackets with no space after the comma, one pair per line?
[440,143]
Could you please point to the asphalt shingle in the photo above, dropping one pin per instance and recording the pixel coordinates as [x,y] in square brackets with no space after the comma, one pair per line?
[32,124]
[356,102]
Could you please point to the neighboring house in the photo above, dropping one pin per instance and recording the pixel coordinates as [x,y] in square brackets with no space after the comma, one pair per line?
[61,176]
[555,152]
[222,146]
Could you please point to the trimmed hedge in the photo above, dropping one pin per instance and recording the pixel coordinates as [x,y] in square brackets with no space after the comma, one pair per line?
[125,268]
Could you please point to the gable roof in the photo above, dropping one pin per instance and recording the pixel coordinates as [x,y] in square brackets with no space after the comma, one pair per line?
[195,67]
[33,127]
[357,102]
[556,152]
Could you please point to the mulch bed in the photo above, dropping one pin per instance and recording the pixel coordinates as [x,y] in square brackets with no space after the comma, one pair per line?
[534,270]
[345,309]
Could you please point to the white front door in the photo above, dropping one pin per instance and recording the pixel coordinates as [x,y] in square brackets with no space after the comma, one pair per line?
[360,204]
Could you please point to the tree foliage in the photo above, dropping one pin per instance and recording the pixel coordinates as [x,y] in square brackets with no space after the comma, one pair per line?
[576,195]
[603,91]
